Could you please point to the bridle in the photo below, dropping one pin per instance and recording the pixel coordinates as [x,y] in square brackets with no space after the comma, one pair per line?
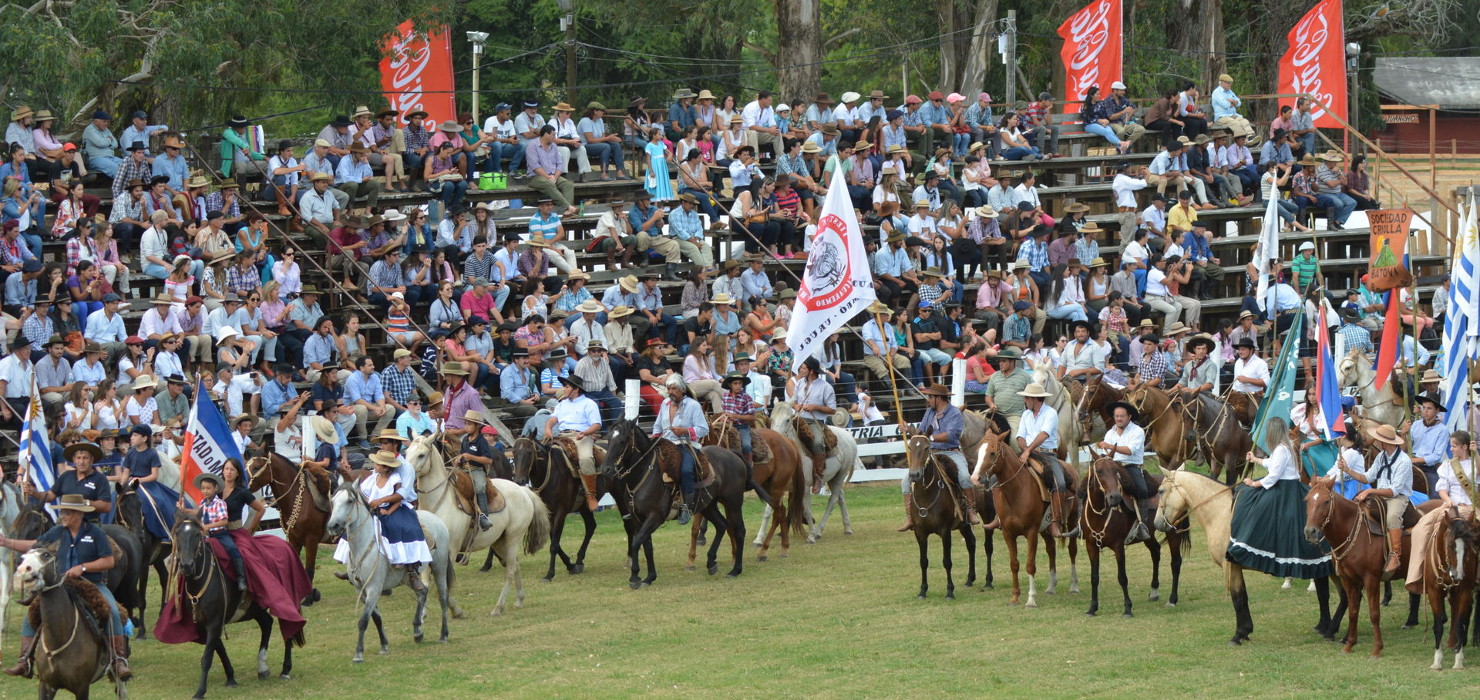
[1170,483]
[180,571]
[540,456]
[918,458]
[1345,548]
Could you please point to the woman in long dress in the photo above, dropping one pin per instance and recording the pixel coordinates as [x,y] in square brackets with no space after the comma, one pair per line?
[401,539]
[657,182]
[1267,532]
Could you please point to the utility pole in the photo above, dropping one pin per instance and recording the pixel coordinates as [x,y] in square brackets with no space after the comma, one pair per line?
[478,39]
[568,25]
[1353,64]
[1011,34]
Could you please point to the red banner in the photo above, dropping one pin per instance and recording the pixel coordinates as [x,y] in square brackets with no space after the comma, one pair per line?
[416,73]
[1092,52]
[1315,62]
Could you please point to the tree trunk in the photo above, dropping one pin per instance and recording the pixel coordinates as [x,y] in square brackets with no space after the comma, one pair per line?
[950,56]
[1214,60]
[798,43]
[979,50]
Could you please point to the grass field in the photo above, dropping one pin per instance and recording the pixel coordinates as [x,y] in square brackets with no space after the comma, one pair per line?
[835,619]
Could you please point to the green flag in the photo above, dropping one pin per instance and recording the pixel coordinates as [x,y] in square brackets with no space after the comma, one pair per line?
[1278,398]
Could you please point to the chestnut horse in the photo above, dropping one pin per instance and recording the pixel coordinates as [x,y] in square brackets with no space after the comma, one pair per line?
[1183,493]
[1165,433]
[1020,506]
[782,477]
[1449,573]
[1358,553]
[1105,524]
[301,518]
[936,511]
[1097,398]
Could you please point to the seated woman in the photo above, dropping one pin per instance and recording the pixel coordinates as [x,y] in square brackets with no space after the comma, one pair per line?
[222,499]
[1316,453]
[401,539]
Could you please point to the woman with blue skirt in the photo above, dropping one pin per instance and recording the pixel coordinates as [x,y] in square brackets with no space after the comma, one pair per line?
[142,466]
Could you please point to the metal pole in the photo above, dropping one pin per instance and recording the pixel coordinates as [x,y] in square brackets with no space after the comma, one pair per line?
[477,53]
[570,58]
[1011,57]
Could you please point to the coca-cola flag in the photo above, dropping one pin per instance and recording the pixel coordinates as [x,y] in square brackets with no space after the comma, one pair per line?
[1315,62]
[1092,51]
[416,73]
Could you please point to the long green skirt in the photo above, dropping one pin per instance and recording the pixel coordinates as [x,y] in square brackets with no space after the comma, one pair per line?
[1317,460]
[1267,532]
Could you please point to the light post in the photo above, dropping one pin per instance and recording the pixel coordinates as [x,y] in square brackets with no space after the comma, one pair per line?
[1353,61]
[478,39]
[568,25]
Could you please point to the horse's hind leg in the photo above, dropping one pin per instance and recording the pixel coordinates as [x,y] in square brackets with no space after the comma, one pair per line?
[589,519]
[264,621]
[763,533]
[711,559]
[1238,592]
[1121,578]
[511,572]
[695,530]
[735,518]
[837,490]
[488,562]
[945,556]
[1412,620]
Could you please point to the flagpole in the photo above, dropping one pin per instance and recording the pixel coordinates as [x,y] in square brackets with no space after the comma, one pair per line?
[889,362]
[1412,369]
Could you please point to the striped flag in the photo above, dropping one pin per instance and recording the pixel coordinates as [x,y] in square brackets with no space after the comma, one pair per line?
[208,443]
[1327,387]
[1462,319]
[35,446]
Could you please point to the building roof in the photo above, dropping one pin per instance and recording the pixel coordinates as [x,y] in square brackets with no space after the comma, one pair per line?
[1450,83]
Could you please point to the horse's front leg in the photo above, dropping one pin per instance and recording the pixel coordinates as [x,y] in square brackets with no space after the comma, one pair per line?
[589,520]
[557,526]
[264,623]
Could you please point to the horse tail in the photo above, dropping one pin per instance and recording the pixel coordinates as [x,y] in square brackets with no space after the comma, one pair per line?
[796,500]
[538,534]
[298,639]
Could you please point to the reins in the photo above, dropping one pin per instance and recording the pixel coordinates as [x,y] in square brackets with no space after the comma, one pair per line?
[1351,539]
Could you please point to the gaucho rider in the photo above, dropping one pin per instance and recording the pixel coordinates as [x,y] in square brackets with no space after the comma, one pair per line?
[1126,443]
[943,423]
[578,418]
[815,401]
[1037,437]
[681,422]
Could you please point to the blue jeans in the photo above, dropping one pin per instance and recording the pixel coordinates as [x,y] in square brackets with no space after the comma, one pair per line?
[1019,153]
[961,143]
[1287,210]
[686,467]
[497,152]
[745,443]
[1341,202]
[107,165]
[115,623]
[1100,130]
[160,272]
[1073,312]
[33,241]
[452,194]
[414,164]
[608,153]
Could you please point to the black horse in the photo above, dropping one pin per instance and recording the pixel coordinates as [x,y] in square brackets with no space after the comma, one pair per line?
[213,600]
[632,469]
[128,559]
[130,507]
[546,470]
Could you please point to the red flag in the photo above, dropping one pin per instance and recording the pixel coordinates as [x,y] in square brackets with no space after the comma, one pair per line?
[1392,332]
[1092,51]
[416,73]
[1315,62]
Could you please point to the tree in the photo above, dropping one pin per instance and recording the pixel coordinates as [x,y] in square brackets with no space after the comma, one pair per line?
[798,47]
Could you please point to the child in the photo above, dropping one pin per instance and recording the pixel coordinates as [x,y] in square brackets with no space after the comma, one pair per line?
[214,517]
[1114,322]
[739,410]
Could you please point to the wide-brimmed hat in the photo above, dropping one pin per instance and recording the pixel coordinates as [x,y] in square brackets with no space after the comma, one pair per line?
[1089,228]
[1429,375]
[563,107]
[416,114]
[208,476]
[590,306]
[474,415]
[574,381]
[145,381]
[628,284]
[1178,328]
[722,299]
[736,376]
[1385,434]
[87,447]
[683,93]
[540,242]
[1245,342]
[1033,390]
[450,127]
[391,434]
[323,429]
[1009,354]
[386,458]
[237,122]
[454,368]
[1430,397]
[620,312]
[688,197]
[705,95]
[20,113]
[1201,339]
[1110,408]
[938,390]
[1077,207]
[74,501]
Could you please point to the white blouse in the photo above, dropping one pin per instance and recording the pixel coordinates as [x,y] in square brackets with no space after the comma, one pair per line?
[1281,466]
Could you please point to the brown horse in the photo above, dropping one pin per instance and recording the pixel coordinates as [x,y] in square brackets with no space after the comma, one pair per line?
[1358,552]
[1096,401]
[301,518]
[1449,573]
[937,511]
[782,477]
[1219,436]
[1019,501]
[71,653]
[1105,522]
[1165,433]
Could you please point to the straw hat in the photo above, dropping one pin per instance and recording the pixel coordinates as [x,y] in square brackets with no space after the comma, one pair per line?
[620,312]
[986,210]
[1178,328]
[474,415]
[74,501]
[1385,434]
[722,299]
[706,95]
[590,306]
[323,429]
[145,381]
[1076,208]
[386,458]
[454,368]
[539,242]
[391,434]
[563,107]
[207,476]
[87,447]
[1033,390]
[628,284]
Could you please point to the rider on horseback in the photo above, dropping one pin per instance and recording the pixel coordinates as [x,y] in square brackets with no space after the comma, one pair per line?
[83,551]
[943,424]
[578,419]
[1037,437]
[1250,378]
[814,401]
[1126,443]
[739,410]
[1390,478]
[1199,372]
[476,457]
[681,422]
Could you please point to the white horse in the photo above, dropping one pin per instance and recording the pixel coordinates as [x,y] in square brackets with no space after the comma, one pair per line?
[838,470]
[10,509]
[372,573]
[1059,398]
[524,518]
[1382,406]
[169,471]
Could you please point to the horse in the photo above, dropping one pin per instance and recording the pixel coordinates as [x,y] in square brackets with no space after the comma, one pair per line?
[152,551]
[1449,574]
[214,602]
[1183,492]
[783,476]
[632,467]
[1165,433]
[1062,402]
[124,579]
[10,511]
[1382,406]
[372,573]
[299,513]
[838,470]
[1105,525]
[561,491]
[72,646]
[1019,504]
[1097,398]
[524,519]
[1220,438]
[936,511]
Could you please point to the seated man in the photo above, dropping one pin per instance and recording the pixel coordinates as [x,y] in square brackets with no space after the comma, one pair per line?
[681,422]
[578,418]
[1126,443]
[82,551]
[477,457]
[1199,373]
[1037,437]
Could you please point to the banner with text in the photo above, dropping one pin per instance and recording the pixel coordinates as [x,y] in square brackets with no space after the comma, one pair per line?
[1092,51]
[1386,269]
[1315,62]
[837,283]
[416,74]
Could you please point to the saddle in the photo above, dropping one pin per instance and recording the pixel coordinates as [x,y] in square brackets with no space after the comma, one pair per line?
[760,451]
[1075,389]
[804,433]
[573,457]
[670,463]
[319,485]
[462,485]
[1071,477]
[1377,524]
[87,592]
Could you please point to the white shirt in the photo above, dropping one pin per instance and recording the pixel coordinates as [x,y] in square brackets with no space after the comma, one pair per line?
[1090,356]
[843,114]
[1447,480]
[1281,466]
[17,376]
[1135,251]
[1125,188]
[1254,367]
[1155,286]
[1353,459]
[1132,437]
[1154,218]
[1023,193]
[576,414]
[1047,421]
[755,115]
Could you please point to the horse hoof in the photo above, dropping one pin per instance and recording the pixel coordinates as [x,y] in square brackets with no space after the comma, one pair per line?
[702,541]
[713,570]
[760,557]
[1235,642]
[847,532]
[231,683]
[285,676]
[921,596]
[733,574]
[547,579]
[443,640]
[576,569]
[262,675]
[315,595]
[459,615]
[635,585]
[383,651]
[1375,655]
[1091,613]
[1171,605]
[1155,596]
[1407,626]
[1031,604]
[495,612]
[359,659]
[417,639]
[485,569]
[1126,616]
[950,595]
[690,567]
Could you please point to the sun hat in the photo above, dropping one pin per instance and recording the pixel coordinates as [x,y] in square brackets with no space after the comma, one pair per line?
[87,447]
[323,429]
[74,501]
[208,476]
[386,458]
[1033,390]
[1385,434]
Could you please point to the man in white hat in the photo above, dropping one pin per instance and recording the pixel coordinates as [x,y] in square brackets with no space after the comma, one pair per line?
[595,371]
[586,328]
[846,116]
[1037,438]
[578,419]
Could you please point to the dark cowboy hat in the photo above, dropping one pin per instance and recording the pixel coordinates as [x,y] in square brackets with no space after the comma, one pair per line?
[341,120]
[1430,397]
[237,122]
[736,376]
[1110,408]
[1245,342]
[87,447]
[574,381]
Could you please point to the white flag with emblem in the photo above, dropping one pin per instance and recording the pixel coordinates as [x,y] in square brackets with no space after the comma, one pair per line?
[837,283]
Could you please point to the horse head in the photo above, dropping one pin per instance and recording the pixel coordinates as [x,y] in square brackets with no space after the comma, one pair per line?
[917,454]
[1320,504]
[1172,506]
[1109,476]
[992,456]
[526,451]
[344,506]
[37,572]
[423,456]
[190,551]
[625,440]
[781,417]
[1461,541]
[30,523]
[1353,369]
[259,472]
[131,511]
